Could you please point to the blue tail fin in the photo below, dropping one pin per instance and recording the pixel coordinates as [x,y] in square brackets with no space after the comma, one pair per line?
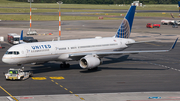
[179,5]
[21,37]
[124,30]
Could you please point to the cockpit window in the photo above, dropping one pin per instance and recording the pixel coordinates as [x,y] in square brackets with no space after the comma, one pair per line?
[6,52]
[12,52]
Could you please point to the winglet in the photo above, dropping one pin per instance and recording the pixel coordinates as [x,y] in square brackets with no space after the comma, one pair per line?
[172,15]
[174,44]
[21,37]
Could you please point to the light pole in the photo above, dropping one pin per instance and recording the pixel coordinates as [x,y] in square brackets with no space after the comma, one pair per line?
[30,13]
[59,2]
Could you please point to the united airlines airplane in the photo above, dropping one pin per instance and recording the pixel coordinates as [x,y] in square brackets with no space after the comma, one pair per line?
[88,52]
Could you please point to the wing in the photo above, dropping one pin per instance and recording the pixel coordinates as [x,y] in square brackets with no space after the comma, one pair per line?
[79,55]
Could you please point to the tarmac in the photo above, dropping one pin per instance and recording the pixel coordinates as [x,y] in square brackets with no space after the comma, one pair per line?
[135,77]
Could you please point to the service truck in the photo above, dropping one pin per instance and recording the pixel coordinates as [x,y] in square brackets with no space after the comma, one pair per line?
[13,38]
[17,74]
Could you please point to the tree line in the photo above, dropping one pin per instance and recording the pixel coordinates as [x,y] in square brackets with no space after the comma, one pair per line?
[103,1]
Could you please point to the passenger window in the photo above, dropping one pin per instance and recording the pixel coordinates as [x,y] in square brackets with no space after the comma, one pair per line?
[17,52]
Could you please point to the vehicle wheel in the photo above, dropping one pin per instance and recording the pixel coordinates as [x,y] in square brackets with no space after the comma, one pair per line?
[21,78]
[31,74]
[6,79]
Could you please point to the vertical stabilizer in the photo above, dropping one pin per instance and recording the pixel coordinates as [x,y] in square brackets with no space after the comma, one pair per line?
[124,30]
[21,37]
[179,5]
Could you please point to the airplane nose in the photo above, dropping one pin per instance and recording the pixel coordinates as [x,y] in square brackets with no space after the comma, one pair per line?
[5,60]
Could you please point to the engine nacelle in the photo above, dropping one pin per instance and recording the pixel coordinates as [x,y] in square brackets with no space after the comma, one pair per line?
[89,62]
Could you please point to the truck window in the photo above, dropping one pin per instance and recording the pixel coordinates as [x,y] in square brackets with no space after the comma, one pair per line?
[13,71]
[16,39]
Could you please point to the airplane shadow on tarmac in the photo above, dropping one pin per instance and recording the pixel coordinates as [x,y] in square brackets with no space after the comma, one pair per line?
[49,67]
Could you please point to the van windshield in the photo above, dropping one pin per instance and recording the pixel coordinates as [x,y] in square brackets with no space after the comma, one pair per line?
[16,39]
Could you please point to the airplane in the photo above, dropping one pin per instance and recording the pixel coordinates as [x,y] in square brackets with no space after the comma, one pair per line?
[89,52]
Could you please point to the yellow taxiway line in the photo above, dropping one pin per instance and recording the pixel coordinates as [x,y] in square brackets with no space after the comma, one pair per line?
[8,93]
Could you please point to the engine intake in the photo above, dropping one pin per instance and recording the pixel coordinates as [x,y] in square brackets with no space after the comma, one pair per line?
[89,62]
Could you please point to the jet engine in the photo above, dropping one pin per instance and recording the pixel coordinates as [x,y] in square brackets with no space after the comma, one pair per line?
[89,62]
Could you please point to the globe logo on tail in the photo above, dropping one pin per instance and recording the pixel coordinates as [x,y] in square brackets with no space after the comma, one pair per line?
[124,30]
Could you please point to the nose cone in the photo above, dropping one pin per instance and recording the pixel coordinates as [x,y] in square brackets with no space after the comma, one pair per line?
[5,60]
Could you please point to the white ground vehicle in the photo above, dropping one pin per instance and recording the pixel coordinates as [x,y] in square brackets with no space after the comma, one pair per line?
[177,22]
[167,22]
[13,38]
[17,74]
[30,32]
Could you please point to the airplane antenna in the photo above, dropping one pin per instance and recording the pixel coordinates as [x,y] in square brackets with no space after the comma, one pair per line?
[59,2]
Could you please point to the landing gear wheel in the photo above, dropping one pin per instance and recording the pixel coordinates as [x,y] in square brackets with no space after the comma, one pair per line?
[65,65]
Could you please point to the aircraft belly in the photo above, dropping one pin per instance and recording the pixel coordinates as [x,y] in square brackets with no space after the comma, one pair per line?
[43,58]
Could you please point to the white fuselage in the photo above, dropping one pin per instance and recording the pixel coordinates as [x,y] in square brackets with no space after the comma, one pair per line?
[60,50]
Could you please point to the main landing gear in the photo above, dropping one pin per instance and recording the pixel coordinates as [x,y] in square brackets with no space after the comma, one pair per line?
[64,65]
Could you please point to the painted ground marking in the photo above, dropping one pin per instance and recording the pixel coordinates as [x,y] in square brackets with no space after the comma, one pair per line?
[8,93]
[38,78]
